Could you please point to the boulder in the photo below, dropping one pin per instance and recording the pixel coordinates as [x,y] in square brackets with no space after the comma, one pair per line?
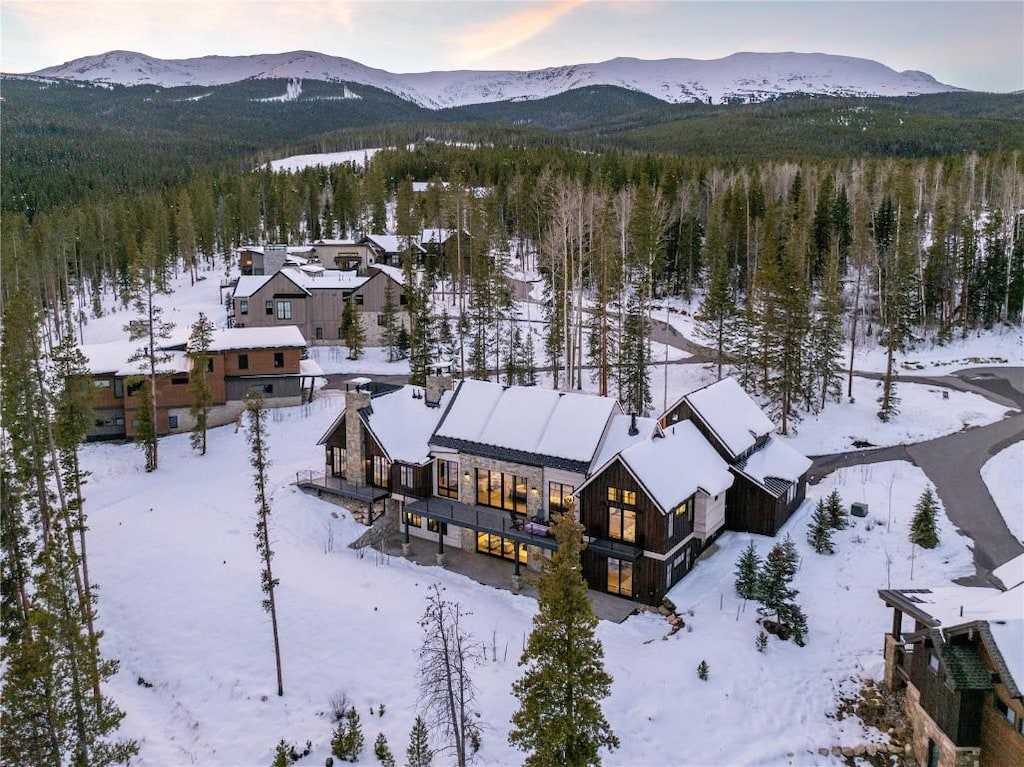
[848,752]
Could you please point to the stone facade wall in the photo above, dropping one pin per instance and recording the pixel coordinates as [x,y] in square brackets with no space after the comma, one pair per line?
[355,471]
[468,464]
[924,729]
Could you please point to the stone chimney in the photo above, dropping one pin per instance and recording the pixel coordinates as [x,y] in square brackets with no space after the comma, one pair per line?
[356,398]
[435,388]
[274,258]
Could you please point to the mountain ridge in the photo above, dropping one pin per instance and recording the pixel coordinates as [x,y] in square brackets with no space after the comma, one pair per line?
[743,76]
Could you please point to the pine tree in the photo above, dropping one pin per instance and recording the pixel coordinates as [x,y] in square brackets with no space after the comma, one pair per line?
[559,721]
[185,232]
[716,307]
[389,322]
[352,329]
[836,511]
[761,641]
[419,754]
[826,337]
[200,361]
[703,671]
[382,751]
[635,359]
[282,755]
[776,595]
[819,533]
[257,437]
[748,573]
[923,529]
[347,741]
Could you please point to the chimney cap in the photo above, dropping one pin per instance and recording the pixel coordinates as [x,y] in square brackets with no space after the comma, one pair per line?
[633,430]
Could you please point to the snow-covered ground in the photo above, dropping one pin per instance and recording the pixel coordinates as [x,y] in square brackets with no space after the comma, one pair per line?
[334,359]
[178,572]
[923,415]
[295,163]
[1004,476]
[982,348]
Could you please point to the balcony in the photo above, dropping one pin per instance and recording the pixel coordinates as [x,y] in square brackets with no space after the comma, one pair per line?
[507,524]
[630,551]
[340,487]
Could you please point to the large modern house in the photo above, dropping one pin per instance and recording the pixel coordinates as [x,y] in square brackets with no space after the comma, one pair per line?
[771,477]
[487,468]
[958,656]
[312,299]
[269,359]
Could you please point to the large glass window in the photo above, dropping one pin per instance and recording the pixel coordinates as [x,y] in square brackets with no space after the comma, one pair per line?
[413,520]
[337,461]
[622,523]
[559,499]
[628,497]
[118,387]
[405,476]
[497,546]
[381,470]
[243,306]
[447,478]
[284,310]
[620,577]
[500,490]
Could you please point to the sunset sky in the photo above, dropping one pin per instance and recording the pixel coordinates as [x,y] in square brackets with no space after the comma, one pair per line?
[969,44]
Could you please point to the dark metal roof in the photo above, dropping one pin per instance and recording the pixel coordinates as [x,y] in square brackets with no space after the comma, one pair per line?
[507,454]
[774,485]
[903,599]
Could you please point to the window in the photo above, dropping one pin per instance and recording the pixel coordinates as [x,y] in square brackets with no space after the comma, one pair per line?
[622,524]
[381,320]
[627,497]
[447,478]
[243,306]
[118,388]
[405,476]
[933,661]
[102,383]
[270,308]
[279,359]
[403,299]
[243,361]
[359,299]
[501,491]
[172,422]
[337,461]
[284,310]
[209,364]
[620,577]
[341,332]
[1007,713]
[683,508]
[497,546]
[381,469]
[179,380]
[432,527]
[559,499]
[134,388]
[319,332]
[119,421]
[412,520]
[267,388]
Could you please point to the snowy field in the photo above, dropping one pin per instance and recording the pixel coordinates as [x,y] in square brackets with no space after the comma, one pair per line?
[295,163]
[374,361]
[982,348]
[923,415]
[1004,476]
[175,560]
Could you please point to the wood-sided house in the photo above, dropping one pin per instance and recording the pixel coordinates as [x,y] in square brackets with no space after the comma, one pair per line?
[240,359]
[771,477]
[650,509]
[961,668]
[487,468]
[312,299]
[268,259]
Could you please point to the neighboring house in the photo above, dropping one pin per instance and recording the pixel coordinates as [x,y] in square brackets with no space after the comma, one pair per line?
[391,250]
[961,668]
[240,359]
[347,255]
[268,259]
[312,299]
[771,477]
[486,468]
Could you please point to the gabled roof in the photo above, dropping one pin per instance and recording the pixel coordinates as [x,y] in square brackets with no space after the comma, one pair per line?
[335,243]
[396,274]
[402,423]
[673,467]
[112,358]
[392,243]
[774,466]
[617,436]
[304,278]
[730,413]
[278,337]
[526,424]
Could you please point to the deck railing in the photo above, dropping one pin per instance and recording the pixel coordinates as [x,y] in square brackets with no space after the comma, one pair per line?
[483,519]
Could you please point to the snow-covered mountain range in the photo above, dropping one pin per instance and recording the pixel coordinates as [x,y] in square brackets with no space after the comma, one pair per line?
[743,76]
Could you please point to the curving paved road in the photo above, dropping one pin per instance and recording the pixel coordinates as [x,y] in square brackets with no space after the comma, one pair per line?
[953,463]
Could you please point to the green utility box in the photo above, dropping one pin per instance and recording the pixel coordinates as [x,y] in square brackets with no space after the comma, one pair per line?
[859,509]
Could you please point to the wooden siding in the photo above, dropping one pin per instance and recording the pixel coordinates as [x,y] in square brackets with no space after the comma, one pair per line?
[750,508]
[940,703]
[372,292]
[261,362]
[651,523]
[422,480]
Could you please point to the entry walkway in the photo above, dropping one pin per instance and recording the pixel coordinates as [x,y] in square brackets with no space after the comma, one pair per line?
[497,573]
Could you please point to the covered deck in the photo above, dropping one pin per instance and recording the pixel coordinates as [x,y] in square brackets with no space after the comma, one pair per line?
[514,527]
[322,483]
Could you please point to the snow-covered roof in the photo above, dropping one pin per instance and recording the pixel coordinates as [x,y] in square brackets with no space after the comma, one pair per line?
[282,336]
[1011,574]
[112,358]
[403,424]
[306,278]
[528,419]
[1008,635]
[617,438]
[674,466]
[435,235]
[776,459]
[295,250]
[335,243]
[296,260]
[731,414]
[310,368]
[392,243]
[249,284]
[398,275]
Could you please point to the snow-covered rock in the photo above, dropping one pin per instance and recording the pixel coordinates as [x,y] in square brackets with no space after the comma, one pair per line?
[745,76]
